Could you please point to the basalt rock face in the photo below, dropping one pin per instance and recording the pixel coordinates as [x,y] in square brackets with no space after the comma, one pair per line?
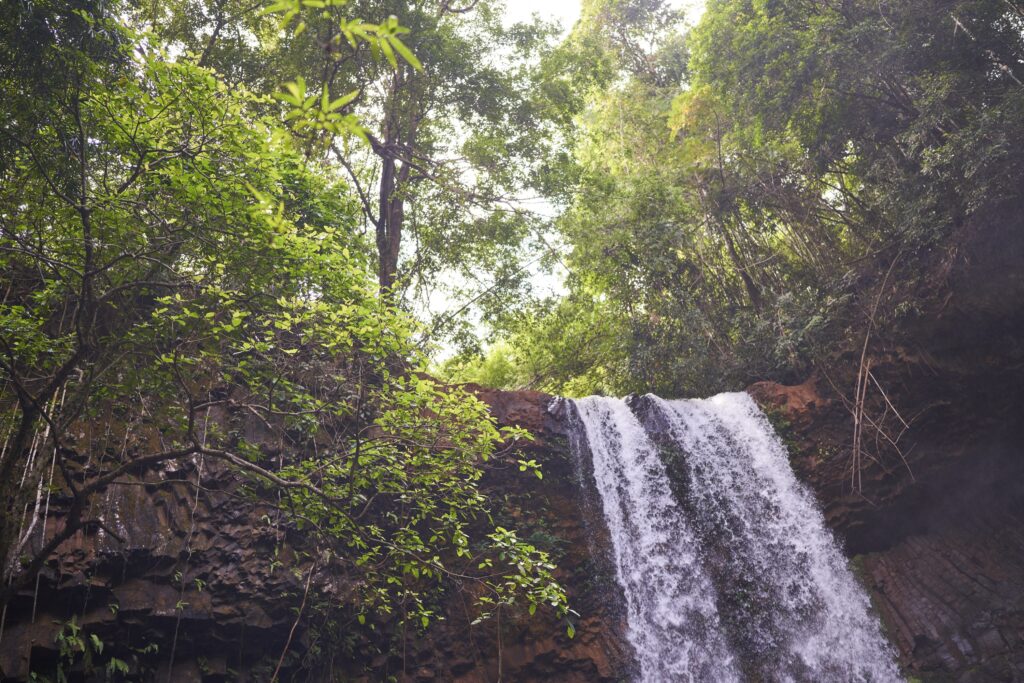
[190,589]
[187,588]
[556,513]
[939,542]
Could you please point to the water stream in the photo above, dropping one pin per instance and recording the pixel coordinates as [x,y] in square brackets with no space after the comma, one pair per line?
[724,560]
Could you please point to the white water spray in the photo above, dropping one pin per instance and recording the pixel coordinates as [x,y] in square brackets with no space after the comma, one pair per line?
[732,575]
[672,618]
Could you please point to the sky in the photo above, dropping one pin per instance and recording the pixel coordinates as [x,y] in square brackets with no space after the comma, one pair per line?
[565,11]
[568,11]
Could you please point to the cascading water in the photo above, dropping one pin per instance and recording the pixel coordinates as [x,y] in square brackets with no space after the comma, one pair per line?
[727,568]
[670,601]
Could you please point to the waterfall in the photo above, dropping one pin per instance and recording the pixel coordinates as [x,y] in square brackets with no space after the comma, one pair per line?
[670,600]
[724,560]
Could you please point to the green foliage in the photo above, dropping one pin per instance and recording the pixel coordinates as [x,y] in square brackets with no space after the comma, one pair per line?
[497,368]
[382,39]
[741,191]
[81,652]
[448,102]
[560,346]
[179,275]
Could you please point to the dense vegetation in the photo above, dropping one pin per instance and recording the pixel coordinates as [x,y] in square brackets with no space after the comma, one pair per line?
[220,213]
[186,285]
[757,194]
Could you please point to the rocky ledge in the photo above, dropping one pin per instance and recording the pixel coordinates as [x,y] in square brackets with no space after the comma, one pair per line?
[937,540]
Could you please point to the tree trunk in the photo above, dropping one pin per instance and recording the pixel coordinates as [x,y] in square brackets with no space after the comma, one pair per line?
[389,228]
[395,150]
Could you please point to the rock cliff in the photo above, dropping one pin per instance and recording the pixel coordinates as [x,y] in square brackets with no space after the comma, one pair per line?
[182,587]
[937,540]
[934,524]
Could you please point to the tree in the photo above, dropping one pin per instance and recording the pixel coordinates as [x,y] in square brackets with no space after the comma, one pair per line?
[175,269]
[456,137]
[741,217]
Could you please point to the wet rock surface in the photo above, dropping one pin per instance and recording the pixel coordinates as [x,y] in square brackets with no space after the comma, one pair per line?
[201,570]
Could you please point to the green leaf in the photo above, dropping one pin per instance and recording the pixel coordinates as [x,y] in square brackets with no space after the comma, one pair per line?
[338,104]
[405,52]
